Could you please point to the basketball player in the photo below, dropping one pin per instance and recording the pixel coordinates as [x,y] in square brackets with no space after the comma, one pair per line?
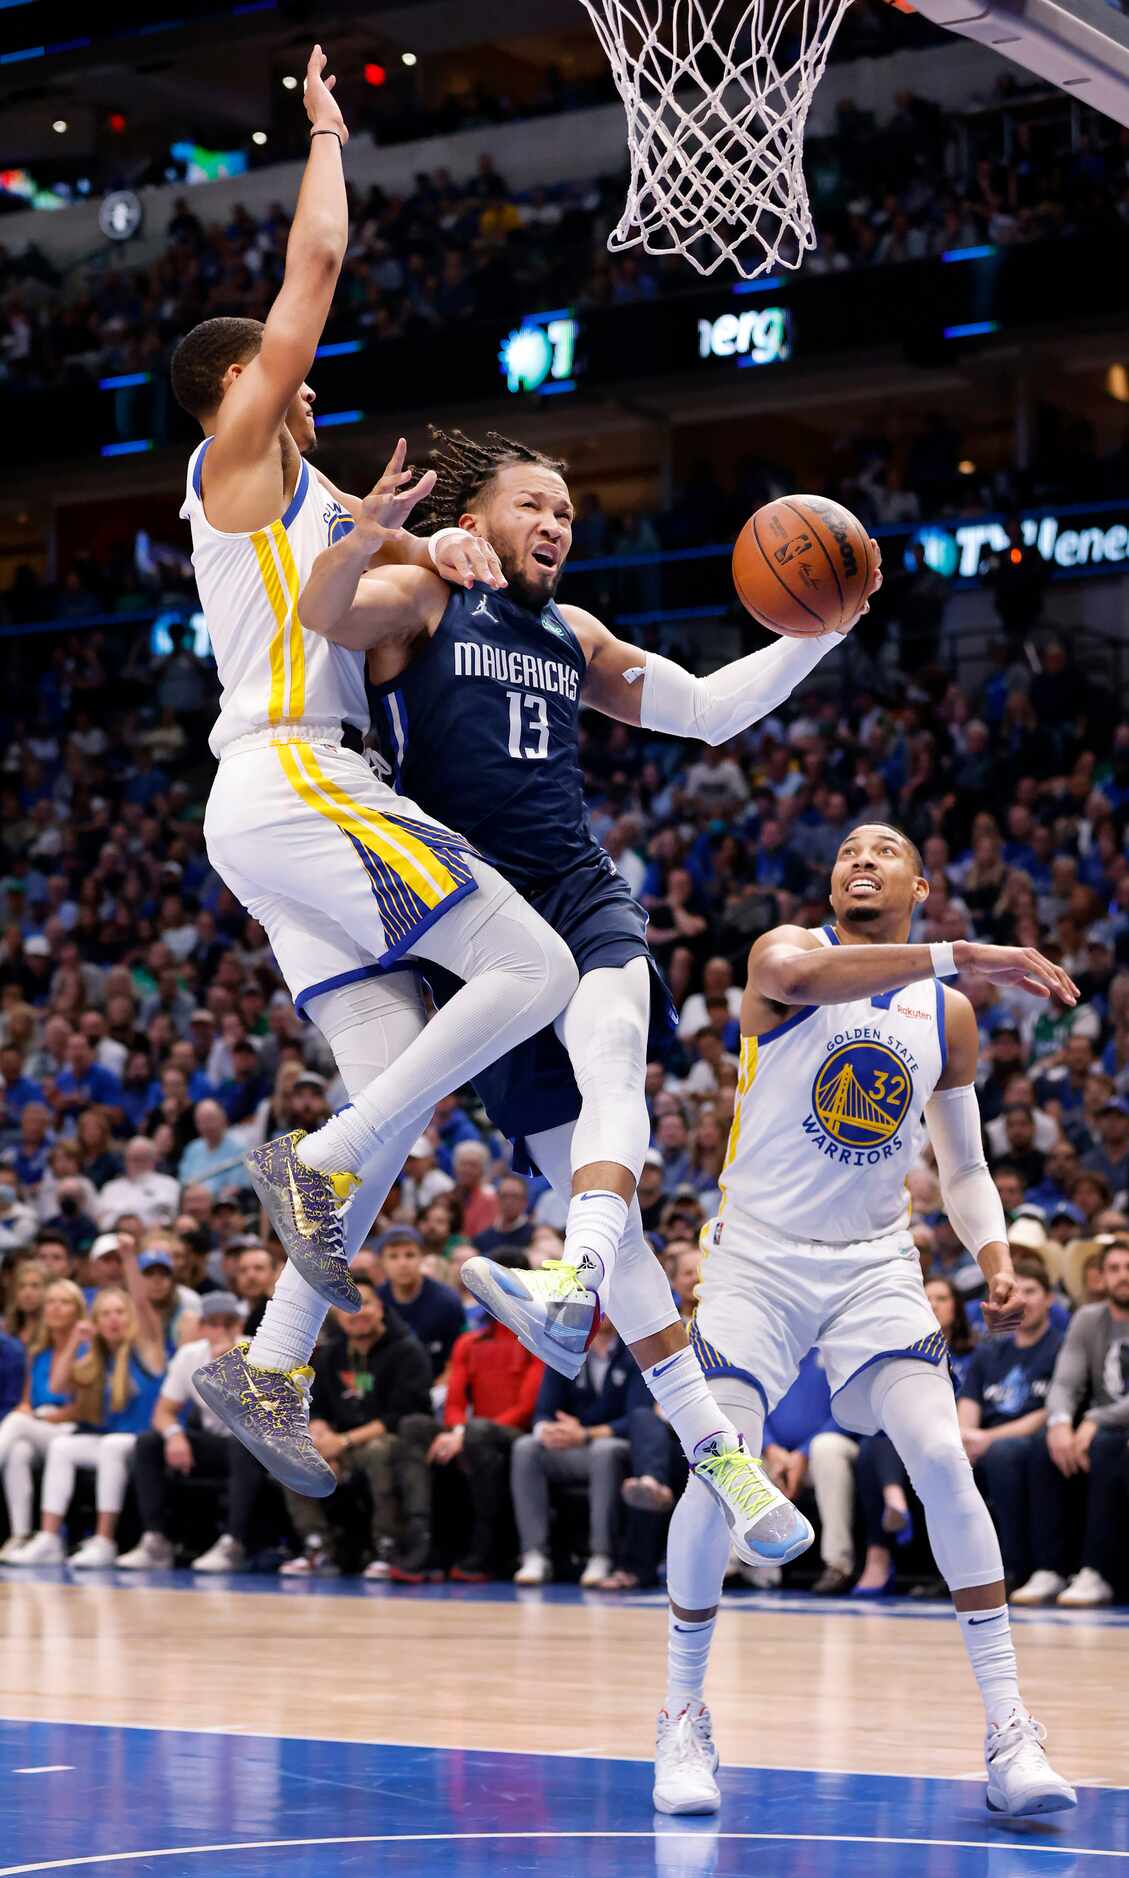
[344,876]
[852,1053]
[479,694]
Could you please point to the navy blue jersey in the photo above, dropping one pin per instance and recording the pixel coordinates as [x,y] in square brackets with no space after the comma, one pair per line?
[481,731]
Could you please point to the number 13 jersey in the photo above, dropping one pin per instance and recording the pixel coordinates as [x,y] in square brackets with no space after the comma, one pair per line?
[481,731]
[830,1114]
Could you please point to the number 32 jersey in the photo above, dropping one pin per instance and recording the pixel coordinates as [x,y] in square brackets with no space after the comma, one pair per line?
[481,730]
[830,1114]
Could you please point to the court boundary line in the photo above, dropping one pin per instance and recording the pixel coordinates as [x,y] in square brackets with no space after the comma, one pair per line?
[464,1838]
[556,1754]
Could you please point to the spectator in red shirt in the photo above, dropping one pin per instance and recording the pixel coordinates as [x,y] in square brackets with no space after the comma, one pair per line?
[492,1390]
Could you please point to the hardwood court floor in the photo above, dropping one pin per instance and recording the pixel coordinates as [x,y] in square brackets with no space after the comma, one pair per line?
[795,1682]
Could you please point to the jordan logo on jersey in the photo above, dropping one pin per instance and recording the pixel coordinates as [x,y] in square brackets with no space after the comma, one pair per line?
[482,611]
[859,1099]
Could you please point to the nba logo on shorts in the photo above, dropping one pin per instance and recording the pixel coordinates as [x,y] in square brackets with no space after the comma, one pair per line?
[861,1095]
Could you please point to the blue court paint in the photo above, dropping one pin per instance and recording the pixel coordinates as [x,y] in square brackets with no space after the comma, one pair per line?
[135,1800]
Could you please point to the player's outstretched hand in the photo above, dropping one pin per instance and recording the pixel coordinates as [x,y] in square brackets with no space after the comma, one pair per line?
[465,560]
[388,504]
[322,107]
[872,588]
[1016,965]
[1001,1310]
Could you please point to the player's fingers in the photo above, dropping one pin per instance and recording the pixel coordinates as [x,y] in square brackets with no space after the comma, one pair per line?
[396,460]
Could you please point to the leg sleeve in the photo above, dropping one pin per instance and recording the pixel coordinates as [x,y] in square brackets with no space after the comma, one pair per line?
[604,1029]
[916,1406]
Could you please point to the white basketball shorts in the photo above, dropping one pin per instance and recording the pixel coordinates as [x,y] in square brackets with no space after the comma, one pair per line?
[766,1299]
[343,874]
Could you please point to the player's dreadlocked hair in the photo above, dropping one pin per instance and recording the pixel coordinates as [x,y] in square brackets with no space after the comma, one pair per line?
[203,356]
[463,469]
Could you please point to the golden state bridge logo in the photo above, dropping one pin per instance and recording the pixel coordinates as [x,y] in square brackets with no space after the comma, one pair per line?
[861,1095]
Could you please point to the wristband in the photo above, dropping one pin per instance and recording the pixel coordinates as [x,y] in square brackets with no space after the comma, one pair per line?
[1060,1419]
[441,534]
[328,133]
[941,959]
[175,1429]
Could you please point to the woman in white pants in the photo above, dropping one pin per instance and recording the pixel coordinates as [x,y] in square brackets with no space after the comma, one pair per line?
[45,1411]
[116,1377]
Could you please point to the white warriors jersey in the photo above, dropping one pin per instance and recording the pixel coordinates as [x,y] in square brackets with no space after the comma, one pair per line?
[830,1113]
[273,672]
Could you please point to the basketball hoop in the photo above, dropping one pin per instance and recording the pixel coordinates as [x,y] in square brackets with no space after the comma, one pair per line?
[716,94]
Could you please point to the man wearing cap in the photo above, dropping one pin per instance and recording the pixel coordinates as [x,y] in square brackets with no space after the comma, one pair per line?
[141,1189]
[104,1265]
[428,1308]
[186,1439]
[239,1096]
[1003,1409]
[1111,1158]
[309,1107]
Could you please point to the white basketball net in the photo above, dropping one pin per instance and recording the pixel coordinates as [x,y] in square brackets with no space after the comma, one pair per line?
[717,94]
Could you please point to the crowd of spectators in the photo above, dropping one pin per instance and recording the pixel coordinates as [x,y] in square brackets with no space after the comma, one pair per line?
[146,1040]
[461,248]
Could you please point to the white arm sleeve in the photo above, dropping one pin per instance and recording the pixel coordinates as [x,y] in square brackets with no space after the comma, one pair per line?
[968,1191]
[716,708]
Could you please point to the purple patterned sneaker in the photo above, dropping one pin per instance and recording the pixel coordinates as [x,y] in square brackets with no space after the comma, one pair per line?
[269,1411]
[306,1209]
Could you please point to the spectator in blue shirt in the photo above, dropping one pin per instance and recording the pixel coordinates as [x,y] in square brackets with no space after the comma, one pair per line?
[1003,1412]
[452,1125]
[29,1157]
[239,1096]
[579,1438]
[12,1366]
[84,1081]
[19,1089]
[428,1308]
[215,1159]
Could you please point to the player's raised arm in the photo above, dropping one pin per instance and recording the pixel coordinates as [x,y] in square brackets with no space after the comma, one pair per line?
[645,688]
[789,966]
[249,417]
[357,604]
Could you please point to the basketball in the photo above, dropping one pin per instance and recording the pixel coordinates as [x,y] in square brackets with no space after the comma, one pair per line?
[802,565]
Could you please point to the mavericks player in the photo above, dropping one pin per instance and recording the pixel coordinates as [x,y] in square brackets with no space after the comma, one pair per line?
[344,876]
[851,1051]
[478,699]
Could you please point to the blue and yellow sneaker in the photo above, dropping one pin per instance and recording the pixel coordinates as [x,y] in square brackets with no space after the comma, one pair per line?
[549,1310]
[269,1411]
[307,1210]
[765,1527]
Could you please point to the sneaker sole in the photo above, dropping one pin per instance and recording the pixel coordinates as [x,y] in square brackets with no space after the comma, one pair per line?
[514,1314]
[339,1291]
[747,1551]
[315,1484]
[702,1803]
[1053,1802]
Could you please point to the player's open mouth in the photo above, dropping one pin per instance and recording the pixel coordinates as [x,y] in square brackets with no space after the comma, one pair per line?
[545,557]
[863,884]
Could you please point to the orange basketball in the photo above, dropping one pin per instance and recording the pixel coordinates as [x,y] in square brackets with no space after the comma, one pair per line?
[801,565]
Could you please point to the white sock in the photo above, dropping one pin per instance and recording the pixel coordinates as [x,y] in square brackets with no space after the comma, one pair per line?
[286,1337]
[987,1638]
[681,1391]
[340,1145]
[593,1230]
[687,1658]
